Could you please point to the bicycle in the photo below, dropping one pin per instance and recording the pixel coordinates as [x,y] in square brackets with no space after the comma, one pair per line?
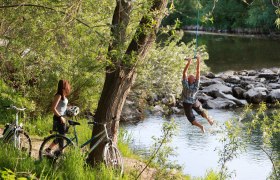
[14,133]
[111,155]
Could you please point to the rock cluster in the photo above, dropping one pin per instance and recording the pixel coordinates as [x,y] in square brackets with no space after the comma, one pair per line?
[233,89]
[225,90]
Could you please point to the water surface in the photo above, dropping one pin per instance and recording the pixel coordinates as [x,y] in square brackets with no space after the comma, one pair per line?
[237,52]
[197,152]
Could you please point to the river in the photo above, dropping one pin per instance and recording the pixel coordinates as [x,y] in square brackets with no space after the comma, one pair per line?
[238,52]
[196,151]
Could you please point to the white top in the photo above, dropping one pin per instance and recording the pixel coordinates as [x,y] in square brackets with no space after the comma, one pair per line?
[62,106]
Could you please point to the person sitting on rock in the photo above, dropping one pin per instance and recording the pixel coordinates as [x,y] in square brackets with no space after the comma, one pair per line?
[190,88]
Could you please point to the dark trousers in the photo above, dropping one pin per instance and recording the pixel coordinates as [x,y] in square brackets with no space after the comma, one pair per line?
[188,108]
[60,128]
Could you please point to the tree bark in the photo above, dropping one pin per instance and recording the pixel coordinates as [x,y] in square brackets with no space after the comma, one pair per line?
[121,76]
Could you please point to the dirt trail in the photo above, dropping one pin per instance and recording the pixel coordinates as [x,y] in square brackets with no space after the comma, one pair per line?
[129,164]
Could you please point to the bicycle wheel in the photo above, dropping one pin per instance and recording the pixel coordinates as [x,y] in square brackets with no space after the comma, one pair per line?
[112,157]
[21,141]
[54,146]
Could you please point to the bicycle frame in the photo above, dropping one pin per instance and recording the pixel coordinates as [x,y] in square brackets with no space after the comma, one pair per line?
[103,135]
[15,127]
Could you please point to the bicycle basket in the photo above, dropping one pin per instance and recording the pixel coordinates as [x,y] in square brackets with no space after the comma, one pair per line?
[72,111]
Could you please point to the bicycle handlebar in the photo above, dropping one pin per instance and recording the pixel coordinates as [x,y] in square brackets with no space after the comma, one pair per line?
[14,107]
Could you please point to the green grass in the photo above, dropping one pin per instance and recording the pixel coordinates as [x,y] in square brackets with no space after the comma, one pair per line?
[39,127]
[73,167]
[15,164]
[124,139]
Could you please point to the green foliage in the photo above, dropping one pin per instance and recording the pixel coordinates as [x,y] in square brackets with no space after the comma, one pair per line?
[268,123]
[15,164]
[232,146]
[261,15]
[44,45]
[277,21]
[9,96]
[40,126]
[225,14]
[162,71]
[123,144]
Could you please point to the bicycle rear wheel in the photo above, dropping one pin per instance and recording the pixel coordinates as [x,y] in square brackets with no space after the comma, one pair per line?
[21,141]
[112,157]
[54,146]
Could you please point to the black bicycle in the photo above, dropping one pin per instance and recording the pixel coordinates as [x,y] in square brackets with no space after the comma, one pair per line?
[60,144]
[14,134]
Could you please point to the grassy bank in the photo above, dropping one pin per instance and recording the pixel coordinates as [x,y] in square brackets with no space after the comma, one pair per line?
[14,164]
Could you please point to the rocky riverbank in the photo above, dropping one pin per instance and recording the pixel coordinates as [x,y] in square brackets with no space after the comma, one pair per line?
[225,90]
[236,31]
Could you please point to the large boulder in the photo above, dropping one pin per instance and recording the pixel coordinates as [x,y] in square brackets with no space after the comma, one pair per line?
[252,73]
[268,76]
[266,71]
[169,100]
[176,110]
[256,95]
[207,82]
[210,75]
[219,103]
[274,85]
[239,102]
[157,110]
[248,78]
[273,96]
[233,79]
[202,97]
[275,70]
[130,113]
[238,92]
[225,75]
[210,90]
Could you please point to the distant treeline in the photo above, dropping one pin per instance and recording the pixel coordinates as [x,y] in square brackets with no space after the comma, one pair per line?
[225,15]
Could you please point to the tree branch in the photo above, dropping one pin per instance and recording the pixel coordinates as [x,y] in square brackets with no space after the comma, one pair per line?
[154,154]
[271,160]
[43,7]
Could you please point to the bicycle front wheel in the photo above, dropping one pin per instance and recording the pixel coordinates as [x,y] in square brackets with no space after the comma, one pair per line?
[112,157]
[21,141]
[54,146]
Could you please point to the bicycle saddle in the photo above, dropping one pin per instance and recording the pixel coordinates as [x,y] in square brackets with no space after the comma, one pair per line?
[73,123]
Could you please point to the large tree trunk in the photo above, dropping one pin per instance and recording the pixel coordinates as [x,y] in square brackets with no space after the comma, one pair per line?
[119,78]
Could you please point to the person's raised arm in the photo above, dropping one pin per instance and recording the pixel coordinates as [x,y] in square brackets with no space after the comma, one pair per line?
[197,68]
[185,75]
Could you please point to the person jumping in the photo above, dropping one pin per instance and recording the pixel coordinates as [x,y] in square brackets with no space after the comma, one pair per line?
[190,88]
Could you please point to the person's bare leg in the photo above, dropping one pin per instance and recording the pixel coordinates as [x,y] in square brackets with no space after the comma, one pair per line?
[198,108]
[195,123]
[208,118]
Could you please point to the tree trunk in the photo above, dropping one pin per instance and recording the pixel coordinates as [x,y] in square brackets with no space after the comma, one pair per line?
[119,78]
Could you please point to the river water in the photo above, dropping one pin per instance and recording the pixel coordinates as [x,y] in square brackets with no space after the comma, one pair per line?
[196,152]
[238,53]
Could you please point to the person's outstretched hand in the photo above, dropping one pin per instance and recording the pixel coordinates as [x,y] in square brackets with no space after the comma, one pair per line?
[198,58]
[189,60]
